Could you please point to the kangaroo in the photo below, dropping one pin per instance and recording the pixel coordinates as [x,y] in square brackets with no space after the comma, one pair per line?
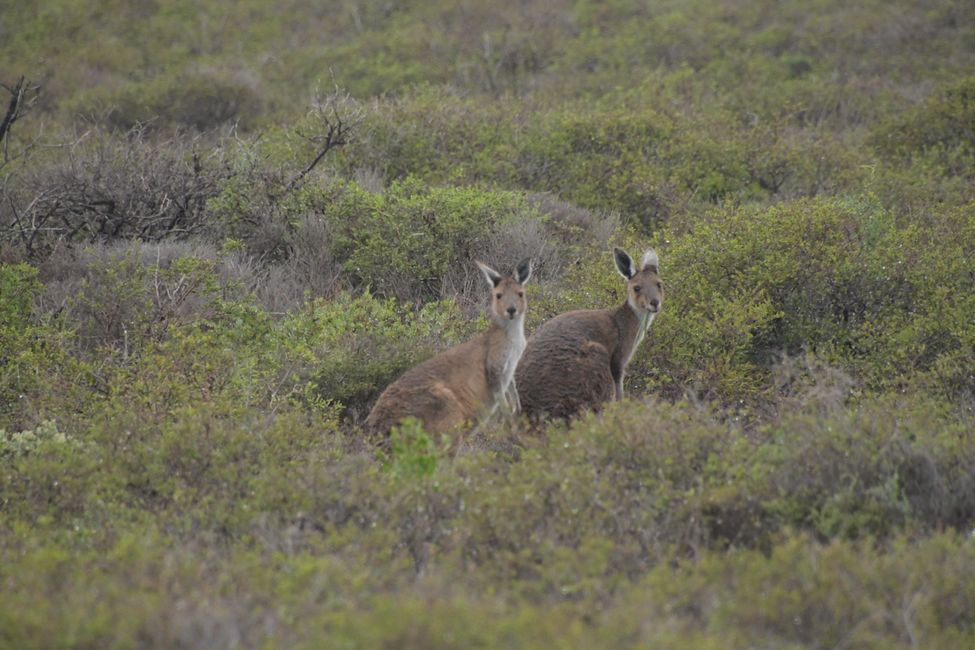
[468,381]
[576,361]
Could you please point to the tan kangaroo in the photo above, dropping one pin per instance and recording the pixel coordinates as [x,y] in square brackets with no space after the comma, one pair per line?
[576,361]
[466,382]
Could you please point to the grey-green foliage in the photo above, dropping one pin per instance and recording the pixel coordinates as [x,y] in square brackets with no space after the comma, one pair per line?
[192,328]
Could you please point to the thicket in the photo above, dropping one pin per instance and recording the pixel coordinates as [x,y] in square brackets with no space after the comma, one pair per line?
[210,267]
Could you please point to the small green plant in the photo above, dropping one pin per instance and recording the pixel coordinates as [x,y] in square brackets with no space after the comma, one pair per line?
[412,452]
[18,284]
[22,443]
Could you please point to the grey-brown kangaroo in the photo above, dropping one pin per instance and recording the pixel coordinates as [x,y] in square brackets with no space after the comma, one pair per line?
[576,361]
[466,382]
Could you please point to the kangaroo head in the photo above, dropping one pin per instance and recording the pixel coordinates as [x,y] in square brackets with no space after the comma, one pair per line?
[644,291]
[508,302]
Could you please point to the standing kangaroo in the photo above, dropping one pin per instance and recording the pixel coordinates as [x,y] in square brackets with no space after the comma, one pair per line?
[468,381]
[576,361]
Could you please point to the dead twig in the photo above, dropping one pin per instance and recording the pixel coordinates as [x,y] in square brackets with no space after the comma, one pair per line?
[23,95]
[338,117]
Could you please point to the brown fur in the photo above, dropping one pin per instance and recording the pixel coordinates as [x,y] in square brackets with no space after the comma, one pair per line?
[466,382]
[577,360]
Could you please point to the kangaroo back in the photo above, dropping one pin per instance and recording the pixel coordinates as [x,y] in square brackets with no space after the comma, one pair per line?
[577,360]
[466,382]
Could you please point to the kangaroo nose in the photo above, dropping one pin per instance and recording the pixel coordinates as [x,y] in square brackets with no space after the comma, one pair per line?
[511,311]
[654,303]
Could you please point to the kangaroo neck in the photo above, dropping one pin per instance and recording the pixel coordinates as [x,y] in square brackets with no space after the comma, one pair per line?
[632,326]
[510,330]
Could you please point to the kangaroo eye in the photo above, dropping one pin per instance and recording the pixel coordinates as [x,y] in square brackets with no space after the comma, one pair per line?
[521,294]
[636,289]
[498,296]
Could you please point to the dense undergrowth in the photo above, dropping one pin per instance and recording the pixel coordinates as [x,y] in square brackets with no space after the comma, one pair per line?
[197,310]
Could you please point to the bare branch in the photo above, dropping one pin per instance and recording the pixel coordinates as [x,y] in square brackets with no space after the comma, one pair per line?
[105,187]
[338,117]
[23,95]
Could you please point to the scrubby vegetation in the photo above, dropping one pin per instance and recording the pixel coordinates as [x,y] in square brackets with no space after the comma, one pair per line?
[226,227]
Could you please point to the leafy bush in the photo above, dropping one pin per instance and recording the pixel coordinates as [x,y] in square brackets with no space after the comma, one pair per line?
[199,99]
[22,443]
[808,595]
[407,242]
[836,277]
[48,477]
[940,129]
[119,296]
[19,283]
[346,351]
[39,380]
[227,358]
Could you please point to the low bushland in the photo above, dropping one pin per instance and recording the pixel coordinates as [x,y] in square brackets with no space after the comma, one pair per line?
[254,522]
[210,269]
[186,446]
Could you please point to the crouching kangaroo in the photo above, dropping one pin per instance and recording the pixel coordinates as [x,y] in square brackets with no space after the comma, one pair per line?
[576,361]
[468,381]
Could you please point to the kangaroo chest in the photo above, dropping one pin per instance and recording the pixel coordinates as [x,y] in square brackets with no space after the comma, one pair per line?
[511,357]
[507,359]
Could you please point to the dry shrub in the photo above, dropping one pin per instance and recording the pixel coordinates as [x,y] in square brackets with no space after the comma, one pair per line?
[289,263]
[103,187]
[117,293]
[805,382]
[195,98]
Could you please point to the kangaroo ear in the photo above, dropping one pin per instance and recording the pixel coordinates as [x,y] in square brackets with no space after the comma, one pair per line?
[493,277]
[524,271]
[624,263]
[650,261]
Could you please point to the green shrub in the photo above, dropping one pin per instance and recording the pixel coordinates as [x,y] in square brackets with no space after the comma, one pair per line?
[48,476]
[600,157]
[452,621]
[418,242]
[618,154]
[201,99]
[631,152]
[22,443]
[434,134]
[940,129]
[347,350]
[807,595]
[18,284]
[123,296]
[868,472]
[113,305]
[413,240]
[929,344]
[38,378]
[227,358]
[841,278]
